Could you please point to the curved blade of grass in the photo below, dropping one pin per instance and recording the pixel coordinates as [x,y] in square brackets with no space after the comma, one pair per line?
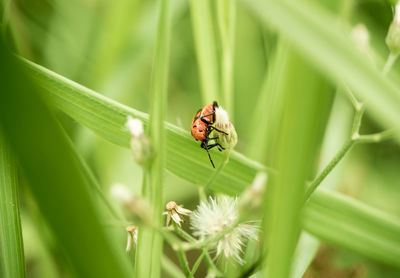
[12,261]
[107,118]
[316,34]
[55,175]
[336,218]
[185,159]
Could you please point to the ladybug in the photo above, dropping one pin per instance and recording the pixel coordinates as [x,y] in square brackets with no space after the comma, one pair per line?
[202,126]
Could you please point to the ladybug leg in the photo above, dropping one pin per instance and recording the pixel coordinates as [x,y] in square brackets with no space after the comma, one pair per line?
[206,115]
[204,145]
[215,145]
[212,127]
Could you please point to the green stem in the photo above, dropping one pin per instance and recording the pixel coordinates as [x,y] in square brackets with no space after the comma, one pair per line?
[150,243]
[377,137]
[184,263]
[351,96]
[332,164]
[389,63]
[184,234]
[370,138]
[197,263]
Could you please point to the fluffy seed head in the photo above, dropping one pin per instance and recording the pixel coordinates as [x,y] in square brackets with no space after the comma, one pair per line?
[216,216]
[228,139]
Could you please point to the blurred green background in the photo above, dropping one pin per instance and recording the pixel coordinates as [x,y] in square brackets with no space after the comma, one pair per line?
[108,46]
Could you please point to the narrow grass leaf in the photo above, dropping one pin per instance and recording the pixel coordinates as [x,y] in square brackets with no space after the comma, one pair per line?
[12,261]
[348,223]
[204,37]
[307,100]
[55,175]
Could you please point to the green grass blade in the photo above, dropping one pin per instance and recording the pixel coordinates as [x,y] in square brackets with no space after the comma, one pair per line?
[326,45]
[12,261]
[226,15]
[55,175]
[150,242]
[204,37]
[184,158]
[107,118]
[348,223]
[307,101]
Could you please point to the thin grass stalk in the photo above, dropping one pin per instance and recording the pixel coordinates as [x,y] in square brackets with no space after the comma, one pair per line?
[150,242]
[226,14]
[204,38]
[12,260]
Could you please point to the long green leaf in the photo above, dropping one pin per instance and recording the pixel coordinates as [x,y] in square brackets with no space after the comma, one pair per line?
[12,262]
[307,100]
[318,36]
[184,158]
[336,218]
[107,118]
[55,175]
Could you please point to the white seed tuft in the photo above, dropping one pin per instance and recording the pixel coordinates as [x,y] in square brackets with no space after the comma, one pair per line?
[135,126]
[214,217]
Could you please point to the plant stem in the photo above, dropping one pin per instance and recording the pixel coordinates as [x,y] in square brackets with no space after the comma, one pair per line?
[12,261]
[331,165]
[389,63]
[184,234]
[150,242]
[197,263]
[184,263]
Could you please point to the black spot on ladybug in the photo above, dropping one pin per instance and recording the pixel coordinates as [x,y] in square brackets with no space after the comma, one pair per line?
[200,130]
[194,126]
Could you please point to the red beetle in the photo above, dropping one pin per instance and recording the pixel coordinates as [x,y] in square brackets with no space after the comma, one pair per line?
[202,125]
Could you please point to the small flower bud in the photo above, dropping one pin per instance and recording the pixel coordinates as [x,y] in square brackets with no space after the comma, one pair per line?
[141,147]
[360,36]
[228,137]
[393,35]
[132,237]
[175,213]
[251,200]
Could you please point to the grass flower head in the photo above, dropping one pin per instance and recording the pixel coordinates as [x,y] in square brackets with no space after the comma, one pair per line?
[220,215]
